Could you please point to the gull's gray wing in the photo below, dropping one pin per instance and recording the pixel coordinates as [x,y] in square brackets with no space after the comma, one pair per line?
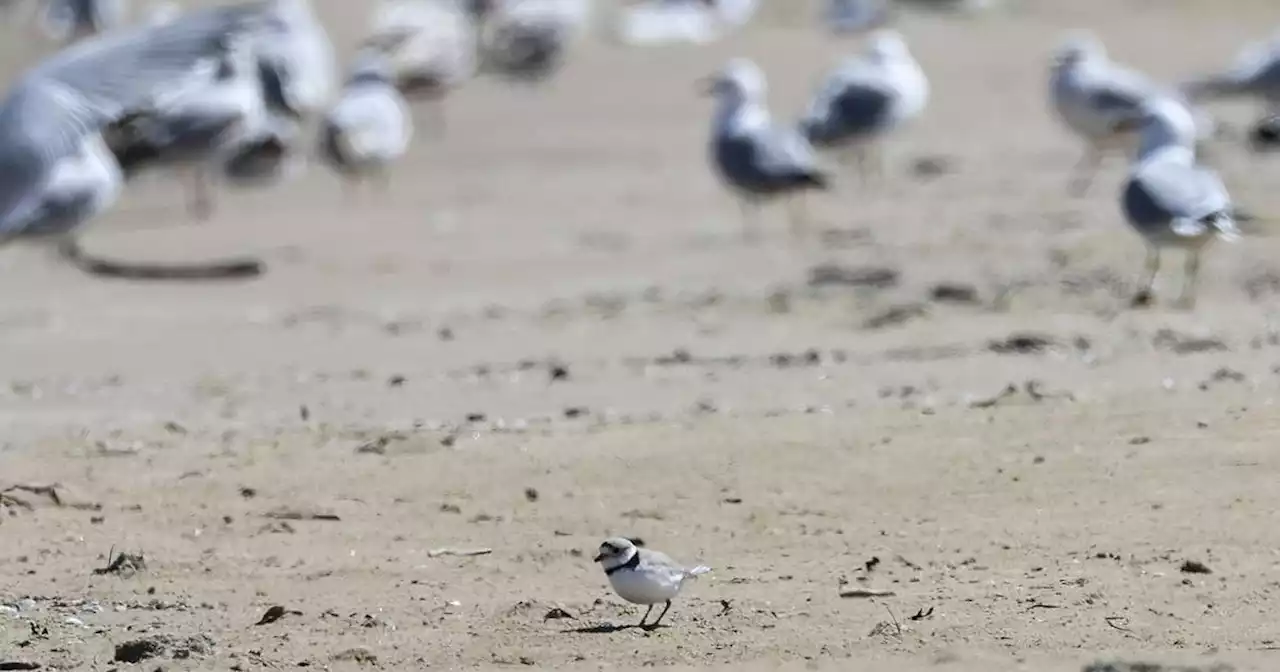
[768,161]
[784,151]
[88,85]
[1256,70]
[1115,100]
[662,565]
[1112,90]
[119,73]
[848,108]
[1162,192]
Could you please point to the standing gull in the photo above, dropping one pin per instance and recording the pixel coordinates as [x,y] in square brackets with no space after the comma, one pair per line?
[526,40]
[865,99]
[1094,98]
[1170,200]
[56,105]
[431,45]
[756,158]
[369,127]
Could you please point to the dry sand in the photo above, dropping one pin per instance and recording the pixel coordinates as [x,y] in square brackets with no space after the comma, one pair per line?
[712,402]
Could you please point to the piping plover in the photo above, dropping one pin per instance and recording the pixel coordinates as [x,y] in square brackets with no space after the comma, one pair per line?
[642,576]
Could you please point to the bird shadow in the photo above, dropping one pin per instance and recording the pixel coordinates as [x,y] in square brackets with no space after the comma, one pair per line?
[609,628]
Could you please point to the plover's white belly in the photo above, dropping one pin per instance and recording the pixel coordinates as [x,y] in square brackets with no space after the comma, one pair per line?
[642,587]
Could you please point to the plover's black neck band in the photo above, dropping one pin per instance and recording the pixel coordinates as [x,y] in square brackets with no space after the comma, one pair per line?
[630,564]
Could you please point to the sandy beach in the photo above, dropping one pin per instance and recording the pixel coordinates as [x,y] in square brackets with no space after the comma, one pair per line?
[413,432]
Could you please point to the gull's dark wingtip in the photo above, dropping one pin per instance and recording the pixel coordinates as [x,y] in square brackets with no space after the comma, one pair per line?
[814,180]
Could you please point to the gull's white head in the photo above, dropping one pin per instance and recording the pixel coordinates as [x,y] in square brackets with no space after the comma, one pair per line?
[616,552]
[1078,47]
[888,46]
[740,79]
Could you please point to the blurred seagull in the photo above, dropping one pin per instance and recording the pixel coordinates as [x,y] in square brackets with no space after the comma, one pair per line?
[866,99]
[70,20]
[1255,72]
[654,22]
[245,123]
[369,127]
[757,159]
[1095,97]
[195,132]
[293,43]
[856,16]
[430,44]
[526,40]
[82,186]
[267,150]
[56,105]
[1170,200]
[296,75]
